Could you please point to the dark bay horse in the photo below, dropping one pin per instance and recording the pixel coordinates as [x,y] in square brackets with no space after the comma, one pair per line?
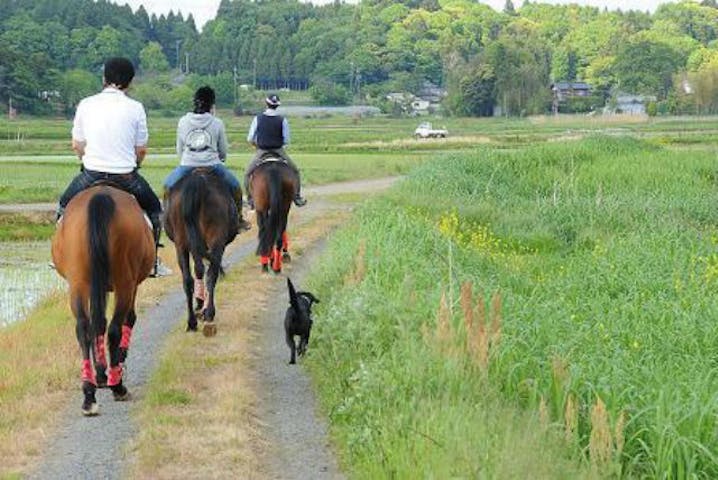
[273,186]
[103,244]
[201,219]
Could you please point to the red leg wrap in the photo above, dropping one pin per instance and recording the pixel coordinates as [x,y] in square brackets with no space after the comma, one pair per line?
[276,260]
[88,373]
[264,259]
[285,242]
[126,336]
[100,355]
[115,376]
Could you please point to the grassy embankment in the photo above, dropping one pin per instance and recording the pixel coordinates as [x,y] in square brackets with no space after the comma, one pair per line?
[599,352]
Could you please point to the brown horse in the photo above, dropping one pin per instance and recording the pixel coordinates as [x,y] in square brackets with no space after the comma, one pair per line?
[201,219]
[103,244]
[273,186]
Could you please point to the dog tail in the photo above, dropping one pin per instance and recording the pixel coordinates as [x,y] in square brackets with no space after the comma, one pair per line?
[293,298]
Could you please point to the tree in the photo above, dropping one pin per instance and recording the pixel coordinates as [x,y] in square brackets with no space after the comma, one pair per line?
[152,59]
[328,93]
[509,8]
[647,67]
[74,85]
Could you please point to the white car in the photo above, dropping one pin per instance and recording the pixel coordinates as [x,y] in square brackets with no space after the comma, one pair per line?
[425,130]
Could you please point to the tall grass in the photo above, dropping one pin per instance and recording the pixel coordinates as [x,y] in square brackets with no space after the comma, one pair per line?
[604,253]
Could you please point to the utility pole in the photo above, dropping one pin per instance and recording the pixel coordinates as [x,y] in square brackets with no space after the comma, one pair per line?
[351,78]
[234,78]
[186,62]
[254,75]
[178,64]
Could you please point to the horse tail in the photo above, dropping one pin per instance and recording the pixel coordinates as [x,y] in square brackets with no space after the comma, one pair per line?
[193,191]
[272,228]
[100,211]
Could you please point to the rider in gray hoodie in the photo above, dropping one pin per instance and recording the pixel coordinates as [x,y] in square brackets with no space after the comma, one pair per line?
[202,142]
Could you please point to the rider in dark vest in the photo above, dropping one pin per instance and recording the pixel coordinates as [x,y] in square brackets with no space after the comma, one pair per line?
[269,133]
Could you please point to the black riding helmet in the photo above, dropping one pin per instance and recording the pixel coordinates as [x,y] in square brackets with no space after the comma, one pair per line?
[272,101]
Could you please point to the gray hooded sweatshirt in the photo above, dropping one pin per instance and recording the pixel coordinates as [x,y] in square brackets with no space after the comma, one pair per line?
[201,140]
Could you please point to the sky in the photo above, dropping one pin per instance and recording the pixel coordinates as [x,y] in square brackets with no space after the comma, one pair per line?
[204,10]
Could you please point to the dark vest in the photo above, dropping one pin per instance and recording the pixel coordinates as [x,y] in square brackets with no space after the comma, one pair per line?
[269,132]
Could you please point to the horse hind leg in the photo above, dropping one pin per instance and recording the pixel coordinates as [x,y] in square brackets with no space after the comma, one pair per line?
[127,328]
[123,305]
[84,339]
[200,294]
[209,328]
[285,248]
[188,285]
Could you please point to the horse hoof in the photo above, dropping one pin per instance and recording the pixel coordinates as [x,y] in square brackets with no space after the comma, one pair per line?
[120,393]
[286,257]
[192,328]
[209,329]
[265,268]
[277,272]
[90,409]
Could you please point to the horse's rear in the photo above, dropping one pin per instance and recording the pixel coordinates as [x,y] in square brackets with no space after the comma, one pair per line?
[273,186]
[103,244]
[201,220]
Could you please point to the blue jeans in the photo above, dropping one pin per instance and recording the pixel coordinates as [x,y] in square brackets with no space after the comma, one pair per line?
[218,169]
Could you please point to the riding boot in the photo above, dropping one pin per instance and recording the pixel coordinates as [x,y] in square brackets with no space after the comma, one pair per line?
[156,232]
[298,199]
[250,201]
[242,224]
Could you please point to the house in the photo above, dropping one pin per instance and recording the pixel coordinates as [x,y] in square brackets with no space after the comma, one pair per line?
[564,90]
[431,93]
[632,104]
[420,106]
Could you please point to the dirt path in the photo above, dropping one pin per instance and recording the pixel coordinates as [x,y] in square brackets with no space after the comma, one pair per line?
[298,445]
[330,189]
[297,435]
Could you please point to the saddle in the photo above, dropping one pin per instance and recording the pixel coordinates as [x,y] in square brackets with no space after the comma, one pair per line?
[270,157]
[106,182]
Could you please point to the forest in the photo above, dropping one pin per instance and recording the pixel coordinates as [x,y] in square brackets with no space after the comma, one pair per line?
[51,53]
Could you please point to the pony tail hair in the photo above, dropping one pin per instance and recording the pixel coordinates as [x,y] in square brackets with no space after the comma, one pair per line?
[100,211]
[193,191]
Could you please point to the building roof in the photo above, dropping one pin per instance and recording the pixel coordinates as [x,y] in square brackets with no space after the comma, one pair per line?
[571,86]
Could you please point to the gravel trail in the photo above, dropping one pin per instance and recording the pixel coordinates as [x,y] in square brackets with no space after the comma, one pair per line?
[93,448]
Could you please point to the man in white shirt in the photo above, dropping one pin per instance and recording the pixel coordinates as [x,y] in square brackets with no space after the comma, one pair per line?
[269,133]
[109,134]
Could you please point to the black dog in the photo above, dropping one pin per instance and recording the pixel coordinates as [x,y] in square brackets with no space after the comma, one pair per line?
[298,320]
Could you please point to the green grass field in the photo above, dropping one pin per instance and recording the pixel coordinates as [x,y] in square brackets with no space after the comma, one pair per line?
[604,251]
[601,236]
[51,137]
